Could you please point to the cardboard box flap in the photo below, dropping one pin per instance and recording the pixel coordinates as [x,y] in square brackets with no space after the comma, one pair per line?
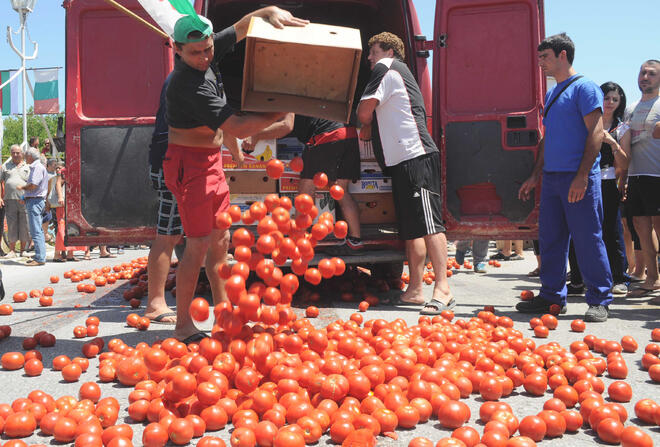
[313,34]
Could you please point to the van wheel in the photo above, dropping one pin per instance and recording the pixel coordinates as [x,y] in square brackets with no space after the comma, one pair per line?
[388,270]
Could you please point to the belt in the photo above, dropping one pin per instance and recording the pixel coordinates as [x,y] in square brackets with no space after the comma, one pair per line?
[343,133]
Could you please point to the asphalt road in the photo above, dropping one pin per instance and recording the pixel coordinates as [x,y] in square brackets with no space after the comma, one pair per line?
[500,287]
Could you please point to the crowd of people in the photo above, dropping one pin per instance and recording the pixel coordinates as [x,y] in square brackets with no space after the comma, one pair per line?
[597,167]
[32,199]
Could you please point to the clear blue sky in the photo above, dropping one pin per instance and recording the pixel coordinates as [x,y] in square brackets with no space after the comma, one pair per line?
[612,38]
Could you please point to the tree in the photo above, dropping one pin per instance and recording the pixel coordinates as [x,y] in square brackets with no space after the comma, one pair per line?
[13,133]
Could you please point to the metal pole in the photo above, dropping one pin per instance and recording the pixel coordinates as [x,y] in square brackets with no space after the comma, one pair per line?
[24,77]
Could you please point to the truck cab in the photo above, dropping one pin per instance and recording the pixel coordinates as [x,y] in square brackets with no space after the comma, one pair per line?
[483,102]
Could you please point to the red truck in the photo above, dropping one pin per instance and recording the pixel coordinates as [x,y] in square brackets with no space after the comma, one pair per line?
[483,100]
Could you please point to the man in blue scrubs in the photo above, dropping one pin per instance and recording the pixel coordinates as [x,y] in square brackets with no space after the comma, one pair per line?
[571,206]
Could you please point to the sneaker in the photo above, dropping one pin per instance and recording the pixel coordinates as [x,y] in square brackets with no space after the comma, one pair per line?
[575,289]
[460,257]
[537,305]
[620,289]
[10,255]
[354,244]
[596,313]
[515,257]
[480,267]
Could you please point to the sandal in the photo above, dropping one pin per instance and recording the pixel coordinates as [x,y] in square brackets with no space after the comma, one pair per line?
[59,260]
[160,319]
[499,256]
[534,273]
[438,307]
[73,259]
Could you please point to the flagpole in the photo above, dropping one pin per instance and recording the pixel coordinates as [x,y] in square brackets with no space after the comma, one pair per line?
[131,14]
[23,15]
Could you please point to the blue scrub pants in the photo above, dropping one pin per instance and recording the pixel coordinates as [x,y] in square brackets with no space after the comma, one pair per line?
[559,222]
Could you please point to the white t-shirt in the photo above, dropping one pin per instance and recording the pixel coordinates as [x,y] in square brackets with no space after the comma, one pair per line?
[400,112]
[645,150]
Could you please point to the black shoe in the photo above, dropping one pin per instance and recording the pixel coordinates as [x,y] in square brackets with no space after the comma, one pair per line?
[2,288]
[596,313]
[575,289]
[537,305]
[499,256]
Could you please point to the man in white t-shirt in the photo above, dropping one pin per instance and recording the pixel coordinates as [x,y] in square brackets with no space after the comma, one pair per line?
[392,114]
[643,194]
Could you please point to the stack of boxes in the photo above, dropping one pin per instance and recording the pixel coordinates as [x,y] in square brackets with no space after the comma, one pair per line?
[250,183]
[372,191]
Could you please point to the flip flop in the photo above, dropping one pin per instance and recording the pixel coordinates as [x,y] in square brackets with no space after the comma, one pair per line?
[640,292]
[159,319]
[397,301]
[199,336]
[59,260]
[74,259]
[108,256]
[439,307]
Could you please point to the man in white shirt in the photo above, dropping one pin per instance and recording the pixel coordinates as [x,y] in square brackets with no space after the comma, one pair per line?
[392,113]
[643,194]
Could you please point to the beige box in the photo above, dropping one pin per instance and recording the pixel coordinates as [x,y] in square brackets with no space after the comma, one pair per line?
[375,208]
[250,182]
[310,70]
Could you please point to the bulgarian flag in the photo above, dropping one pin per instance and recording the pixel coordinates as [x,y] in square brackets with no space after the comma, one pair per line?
[8,94]
[46,97]
[166,12]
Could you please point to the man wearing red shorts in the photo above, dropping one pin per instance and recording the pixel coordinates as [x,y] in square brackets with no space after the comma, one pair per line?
[197,115]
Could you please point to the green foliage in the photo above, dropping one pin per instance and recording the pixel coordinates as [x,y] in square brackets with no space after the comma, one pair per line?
[13,126]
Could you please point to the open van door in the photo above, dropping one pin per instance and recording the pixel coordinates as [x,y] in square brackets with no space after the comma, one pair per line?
[115,68]
[488,93]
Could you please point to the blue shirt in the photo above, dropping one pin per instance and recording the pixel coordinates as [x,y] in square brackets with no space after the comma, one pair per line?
[38,176]
[565,131]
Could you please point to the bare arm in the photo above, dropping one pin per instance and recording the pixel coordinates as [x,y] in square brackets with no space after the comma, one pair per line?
[242,126]
[656,130]
[365,114]
[526,188]
[278,129]
[622,173]
[594,123]
[620,157]
[58,190]
[276,16]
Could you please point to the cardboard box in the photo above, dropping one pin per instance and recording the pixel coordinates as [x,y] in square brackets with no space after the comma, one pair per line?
[245,200]
[250,182]
[366,150]
[264,151]
[375,208]
[289,182]
[371,185]
[371,180]
[310,70]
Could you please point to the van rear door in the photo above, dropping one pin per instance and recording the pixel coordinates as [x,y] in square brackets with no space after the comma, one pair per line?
[488,91]
[115,70]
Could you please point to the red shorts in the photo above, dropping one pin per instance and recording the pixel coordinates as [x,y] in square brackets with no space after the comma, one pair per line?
[195,176]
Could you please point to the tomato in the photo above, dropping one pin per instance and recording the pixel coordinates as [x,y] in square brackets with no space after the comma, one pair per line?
[337,192]
[541,331]
[339,430]
[578,325]
[610,430]
[180,431]
[12,360]
[88,440]
[243,437]
[567,395]
[420,442]
[80,332]
[453,414]
[154,435]
[199,309]
[89,390]
[620,391]
[468,435]
[131,370]
[645,409]
[65,429]
[6,309]
[573,420]
[312,312]
[274,168]
[20,425]
[632,436]
[54,279]
[33,367]
[535,384]
[629,344]
[115,431]
[555,423]
[533,427]
[490,388]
